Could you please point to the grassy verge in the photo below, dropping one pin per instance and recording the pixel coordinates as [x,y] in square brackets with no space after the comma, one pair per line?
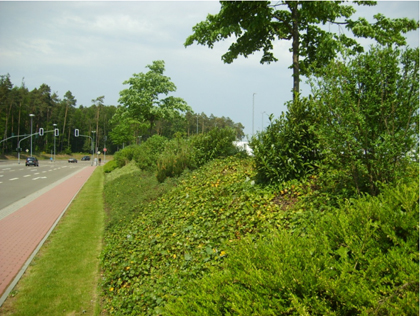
[63,278]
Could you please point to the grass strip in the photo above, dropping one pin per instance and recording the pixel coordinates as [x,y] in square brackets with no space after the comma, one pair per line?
[63,278]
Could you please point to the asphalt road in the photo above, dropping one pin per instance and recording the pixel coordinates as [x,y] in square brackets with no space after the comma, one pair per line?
[18,181]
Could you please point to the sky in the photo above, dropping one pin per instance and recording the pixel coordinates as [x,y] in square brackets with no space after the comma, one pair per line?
[90,48]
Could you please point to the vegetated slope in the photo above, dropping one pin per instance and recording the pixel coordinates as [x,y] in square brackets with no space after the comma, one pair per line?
[224,245]
[359,259]
[182,234]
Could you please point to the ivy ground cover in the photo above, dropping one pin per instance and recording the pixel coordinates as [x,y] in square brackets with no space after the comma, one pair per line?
[149,257]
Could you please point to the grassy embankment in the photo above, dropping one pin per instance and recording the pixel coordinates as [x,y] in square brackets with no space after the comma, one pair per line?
[63,278]
[219,244]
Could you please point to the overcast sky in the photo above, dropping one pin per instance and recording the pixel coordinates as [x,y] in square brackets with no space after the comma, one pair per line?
[91,48]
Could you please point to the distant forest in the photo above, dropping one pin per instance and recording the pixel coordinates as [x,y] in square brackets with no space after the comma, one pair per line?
[17,103]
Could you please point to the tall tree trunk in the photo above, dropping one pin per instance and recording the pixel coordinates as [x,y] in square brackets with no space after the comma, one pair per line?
[295,48]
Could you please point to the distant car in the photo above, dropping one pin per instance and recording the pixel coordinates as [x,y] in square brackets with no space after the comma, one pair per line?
[73,160]
[32,161]
[85,158]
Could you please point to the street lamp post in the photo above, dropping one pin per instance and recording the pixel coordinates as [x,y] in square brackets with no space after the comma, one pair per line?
[31,116]
[55,125]
[253,97]
[93,150]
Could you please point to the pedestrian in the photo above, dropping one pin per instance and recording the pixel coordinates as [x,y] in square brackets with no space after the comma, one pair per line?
[100,161]
[96,161]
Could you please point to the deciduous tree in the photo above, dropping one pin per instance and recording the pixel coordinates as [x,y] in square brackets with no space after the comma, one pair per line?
[147,98]
[256,25]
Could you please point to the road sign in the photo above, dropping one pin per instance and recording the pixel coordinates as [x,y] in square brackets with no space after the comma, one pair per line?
[105,149]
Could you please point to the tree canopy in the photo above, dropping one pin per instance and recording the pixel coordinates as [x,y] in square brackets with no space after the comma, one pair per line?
[143,99]
[257,24]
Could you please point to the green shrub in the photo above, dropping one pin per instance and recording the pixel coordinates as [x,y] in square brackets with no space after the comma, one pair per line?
[181,154]
[370,116]
[148,153]
[360,259]
[124,156]
[288,149]
[217,143]
[110,166]
[174,159]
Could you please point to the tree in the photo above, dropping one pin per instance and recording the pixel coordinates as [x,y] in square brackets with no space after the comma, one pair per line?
[257,24]
[370,110]
[143,98]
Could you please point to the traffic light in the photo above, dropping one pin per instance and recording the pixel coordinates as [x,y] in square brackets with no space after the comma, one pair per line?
[56,132]
[76,132]
[41,132]
[18,149]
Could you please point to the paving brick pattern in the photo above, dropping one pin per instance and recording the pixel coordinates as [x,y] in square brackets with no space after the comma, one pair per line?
[22,231]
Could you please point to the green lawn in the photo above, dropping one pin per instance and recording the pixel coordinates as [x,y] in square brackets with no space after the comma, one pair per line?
[63,279]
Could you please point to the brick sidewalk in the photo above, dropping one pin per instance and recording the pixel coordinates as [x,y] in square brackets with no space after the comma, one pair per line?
[22,231]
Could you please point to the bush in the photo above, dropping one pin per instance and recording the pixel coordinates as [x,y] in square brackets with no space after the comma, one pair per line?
[124,156]
[110,166]
[357,260]
[174,159]
[147,155]
[181,154]
[288,149]
[217,143]
[370,111]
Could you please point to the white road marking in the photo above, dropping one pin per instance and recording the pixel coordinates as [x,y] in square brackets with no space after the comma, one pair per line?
[36,173]
[39,178]
[28,175]
[13,179]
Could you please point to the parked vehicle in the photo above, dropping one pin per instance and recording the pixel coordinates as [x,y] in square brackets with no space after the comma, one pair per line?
[32,161]
[85,158]
[72,160]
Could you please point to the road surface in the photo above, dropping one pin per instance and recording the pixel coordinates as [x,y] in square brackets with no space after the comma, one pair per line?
[18,182]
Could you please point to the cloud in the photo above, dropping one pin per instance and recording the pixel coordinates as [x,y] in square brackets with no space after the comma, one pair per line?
[91,47]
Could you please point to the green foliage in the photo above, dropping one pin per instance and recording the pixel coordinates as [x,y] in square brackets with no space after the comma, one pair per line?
[216,143]
[359,259]
[196,151]
[256,25]
[124,156]
[183,233]
[143,99]
[174,159]
[148,152]
[110,166]
[369,106]
[127,188]
[288,149]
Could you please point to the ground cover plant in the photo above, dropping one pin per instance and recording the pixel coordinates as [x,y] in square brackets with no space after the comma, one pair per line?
[359,259]
[127,188]
[182,234]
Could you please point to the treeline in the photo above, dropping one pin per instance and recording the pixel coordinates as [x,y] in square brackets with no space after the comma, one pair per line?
[50,112]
